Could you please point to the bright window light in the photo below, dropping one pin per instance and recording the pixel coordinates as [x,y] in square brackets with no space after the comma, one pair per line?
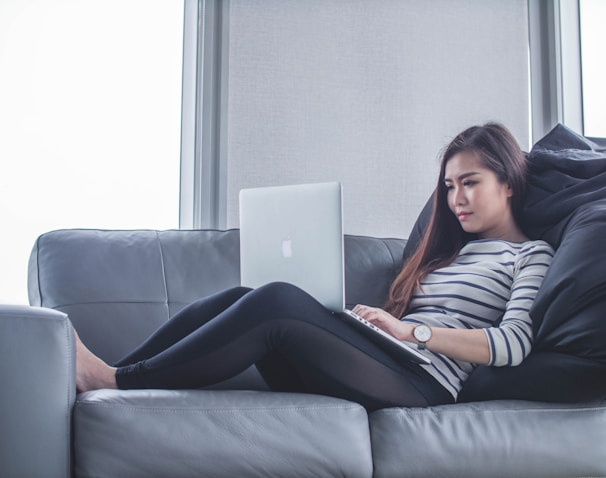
[593,39]
[90,98]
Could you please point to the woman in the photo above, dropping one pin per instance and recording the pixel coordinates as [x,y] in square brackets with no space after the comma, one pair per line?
[463,296]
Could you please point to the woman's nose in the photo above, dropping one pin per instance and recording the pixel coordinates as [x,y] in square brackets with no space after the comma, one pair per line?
[458,198]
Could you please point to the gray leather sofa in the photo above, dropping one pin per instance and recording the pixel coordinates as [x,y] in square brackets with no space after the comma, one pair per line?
[115,287]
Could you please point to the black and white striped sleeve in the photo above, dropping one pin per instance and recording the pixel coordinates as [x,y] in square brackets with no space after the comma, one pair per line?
[511,341]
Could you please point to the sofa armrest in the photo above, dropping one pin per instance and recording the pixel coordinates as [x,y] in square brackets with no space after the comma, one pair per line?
[37,391]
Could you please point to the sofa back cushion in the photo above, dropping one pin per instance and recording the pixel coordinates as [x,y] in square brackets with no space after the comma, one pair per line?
[119,286]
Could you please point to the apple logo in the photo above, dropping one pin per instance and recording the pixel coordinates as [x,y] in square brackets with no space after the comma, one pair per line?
[287,248]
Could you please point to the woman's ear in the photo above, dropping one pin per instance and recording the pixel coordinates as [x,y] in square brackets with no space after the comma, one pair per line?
[508,190]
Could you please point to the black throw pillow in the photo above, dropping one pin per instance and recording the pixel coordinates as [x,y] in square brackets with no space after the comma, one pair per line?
[543,376]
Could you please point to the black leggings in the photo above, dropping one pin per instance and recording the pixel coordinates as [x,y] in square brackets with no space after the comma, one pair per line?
[296,343]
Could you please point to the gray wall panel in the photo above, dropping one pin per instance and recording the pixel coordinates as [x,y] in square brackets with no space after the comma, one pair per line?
[367,92]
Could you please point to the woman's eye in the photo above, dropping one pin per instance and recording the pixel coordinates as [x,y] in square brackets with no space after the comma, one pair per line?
[448,187]
[469,183]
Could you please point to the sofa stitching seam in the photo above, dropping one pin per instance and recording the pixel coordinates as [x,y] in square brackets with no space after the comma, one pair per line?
[214,410]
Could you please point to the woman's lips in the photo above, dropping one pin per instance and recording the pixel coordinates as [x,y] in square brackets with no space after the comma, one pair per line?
[463,215]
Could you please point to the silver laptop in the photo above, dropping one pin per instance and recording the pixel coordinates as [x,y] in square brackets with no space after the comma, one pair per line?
[295,234]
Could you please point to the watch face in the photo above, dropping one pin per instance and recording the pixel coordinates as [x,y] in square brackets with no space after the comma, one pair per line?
[422,333]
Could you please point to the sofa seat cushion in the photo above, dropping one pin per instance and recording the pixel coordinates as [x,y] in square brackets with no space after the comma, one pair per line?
[497,438]
[146,433]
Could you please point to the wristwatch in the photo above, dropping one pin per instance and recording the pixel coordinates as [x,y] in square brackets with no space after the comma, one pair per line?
[422,333]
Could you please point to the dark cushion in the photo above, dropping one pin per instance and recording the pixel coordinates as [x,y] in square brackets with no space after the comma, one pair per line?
[569,311]
[418,229]
[565,206]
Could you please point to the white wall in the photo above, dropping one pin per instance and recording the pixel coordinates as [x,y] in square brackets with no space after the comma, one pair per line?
[367,92]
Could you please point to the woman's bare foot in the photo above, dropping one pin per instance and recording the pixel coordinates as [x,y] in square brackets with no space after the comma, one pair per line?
[92,373]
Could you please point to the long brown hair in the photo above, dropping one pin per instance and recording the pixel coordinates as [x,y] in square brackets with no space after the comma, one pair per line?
[444,237]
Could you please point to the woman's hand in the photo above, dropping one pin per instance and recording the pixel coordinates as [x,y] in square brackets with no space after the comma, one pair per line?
[459,344]
[385,321]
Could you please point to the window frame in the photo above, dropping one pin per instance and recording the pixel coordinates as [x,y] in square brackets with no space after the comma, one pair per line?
[555,65]
[204,114]
[556,95]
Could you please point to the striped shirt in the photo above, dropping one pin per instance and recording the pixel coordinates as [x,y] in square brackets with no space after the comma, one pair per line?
[490,285]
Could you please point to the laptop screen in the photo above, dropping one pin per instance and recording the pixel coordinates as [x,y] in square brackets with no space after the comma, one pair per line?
[294,234]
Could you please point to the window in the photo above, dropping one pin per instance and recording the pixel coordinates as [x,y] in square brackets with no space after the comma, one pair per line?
[593,39]
[90,96]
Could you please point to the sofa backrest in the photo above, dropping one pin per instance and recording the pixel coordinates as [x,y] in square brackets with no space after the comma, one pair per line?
[118,286]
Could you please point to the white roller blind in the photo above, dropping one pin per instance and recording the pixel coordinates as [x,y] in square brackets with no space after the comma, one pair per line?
[367,92]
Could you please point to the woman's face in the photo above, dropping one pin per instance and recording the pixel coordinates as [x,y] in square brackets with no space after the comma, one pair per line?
[476,197]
